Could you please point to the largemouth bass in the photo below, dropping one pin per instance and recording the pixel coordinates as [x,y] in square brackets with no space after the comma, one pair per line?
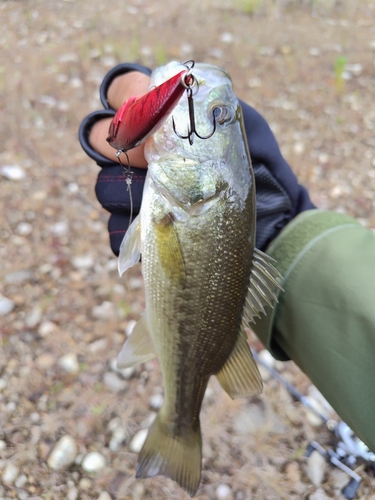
[204,279]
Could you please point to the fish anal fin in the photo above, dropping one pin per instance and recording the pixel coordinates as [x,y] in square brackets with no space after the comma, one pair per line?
[138,347]
[178,457]
[130,249]
[240,376]
[263,286]
[169,250]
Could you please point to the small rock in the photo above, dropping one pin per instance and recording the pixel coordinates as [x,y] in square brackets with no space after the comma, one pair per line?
[113,382]
[45,361]
[46,328]
[103,495]
[6,305]
[3,445]
[60,228]
[118,437]
[223,492]
[156,401]
[63,453]
[10,473]
[97,345]
[138,440]
[24,228]
[20,481]
[106,310]
[33,317]
[319,494]
[250,420]
[17,277]
[85,484]
[83,261]
[13,172]
[93,462]
[292,472]
[22,495]
[69,363]
[226,37]
[3,384]
[72,493]
[316,467]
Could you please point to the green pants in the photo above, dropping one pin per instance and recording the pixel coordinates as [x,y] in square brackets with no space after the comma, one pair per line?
[325,319]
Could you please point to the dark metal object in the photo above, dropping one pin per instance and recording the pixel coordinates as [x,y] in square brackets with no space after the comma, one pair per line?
[348,448]
[189,81]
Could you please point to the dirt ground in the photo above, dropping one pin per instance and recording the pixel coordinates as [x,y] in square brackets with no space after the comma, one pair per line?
[309,68]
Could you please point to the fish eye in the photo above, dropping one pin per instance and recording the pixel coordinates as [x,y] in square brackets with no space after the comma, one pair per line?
[223,114]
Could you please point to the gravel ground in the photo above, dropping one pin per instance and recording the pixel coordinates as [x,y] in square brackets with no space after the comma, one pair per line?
[70,423]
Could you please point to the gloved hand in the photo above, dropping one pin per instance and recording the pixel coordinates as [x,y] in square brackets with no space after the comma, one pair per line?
[279,196]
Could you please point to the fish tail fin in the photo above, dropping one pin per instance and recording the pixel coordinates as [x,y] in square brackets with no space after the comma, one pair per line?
[177,457]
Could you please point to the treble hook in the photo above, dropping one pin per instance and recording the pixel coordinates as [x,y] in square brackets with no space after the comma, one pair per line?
[188,81]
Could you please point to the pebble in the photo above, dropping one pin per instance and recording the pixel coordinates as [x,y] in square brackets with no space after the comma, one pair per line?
[223,492]
[72,493]
[113,382]
[45,361]
[292,472]
[3,445]
[3,384]
[33,317]
[319,494]
[93,462]
[250,420]
[106,311]
[104,496]
[118,437]
[13,172]
[97,345]
[138,440]
[316,467]
[226,37]
[83,261]
[17,277]
[10,473]
[156,401]
[6,305]
[24,228]
[20,481]
[46,328]
[85,484]
[22,495]
[60,228]
[63,453]
[69,363]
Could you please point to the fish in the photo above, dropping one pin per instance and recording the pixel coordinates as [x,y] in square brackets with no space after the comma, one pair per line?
[205,280]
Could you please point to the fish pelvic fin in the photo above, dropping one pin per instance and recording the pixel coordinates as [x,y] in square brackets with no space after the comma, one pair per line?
[138,347]
[239,376]
[130,249]
[263,287]
[169,250]
[178,457]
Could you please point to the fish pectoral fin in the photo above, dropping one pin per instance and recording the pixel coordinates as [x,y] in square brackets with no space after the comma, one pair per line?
[130,249]
[263,287]
[169,250]
[138,347]
[239,376]
[178,457]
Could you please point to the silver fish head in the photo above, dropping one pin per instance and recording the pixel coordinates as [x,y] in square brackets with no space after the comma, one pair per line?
[215,105]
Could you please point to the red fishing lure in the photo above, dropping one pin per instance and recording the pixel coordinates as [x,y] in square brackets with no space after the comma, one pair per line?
[138,118]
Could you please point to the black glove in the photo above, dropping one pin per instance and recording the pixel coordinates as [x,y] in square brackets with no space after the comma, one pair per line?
[279,196]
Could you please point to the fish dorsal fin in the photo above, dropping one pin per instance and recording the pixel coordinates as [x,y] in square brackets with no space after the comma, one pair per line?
[138,348]
[240,376]
[263,286]
[130,249]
